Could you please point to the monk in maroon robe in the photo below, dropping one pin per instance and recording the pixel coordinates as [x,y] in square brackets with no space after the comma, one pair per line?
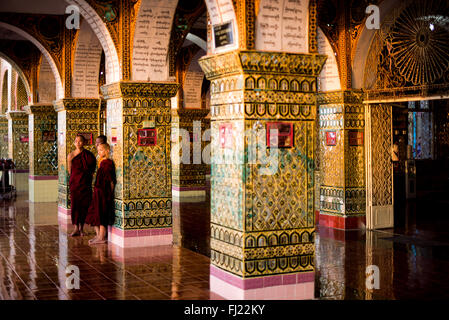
[101,211]
[81,165]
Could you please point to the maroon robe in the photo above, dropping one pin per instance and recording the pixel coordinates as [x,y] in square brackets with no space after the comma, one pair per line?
[80,184]
[101,210]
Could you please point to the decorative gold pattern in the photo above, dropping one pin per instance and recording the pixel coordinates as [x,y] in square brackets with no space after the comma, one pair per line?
[342,167]
[17,128]
[3,137]
[143,191]
[259,223]
[43,154]
[189,175]
[382,187]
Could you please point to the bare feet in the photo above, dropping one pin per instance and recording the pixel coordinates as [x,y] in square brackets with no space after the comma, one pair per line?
[97,241]
[92,240]
[75,233]
[82,234]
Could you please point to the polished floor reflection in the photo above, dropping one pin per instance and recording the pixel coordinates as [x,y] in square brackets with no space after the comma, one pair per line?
[413,260]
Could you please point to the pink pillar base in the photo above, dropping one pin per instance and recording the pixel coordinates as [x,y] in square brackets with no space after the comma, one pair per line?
[64,218]
[140,237]
[296,286]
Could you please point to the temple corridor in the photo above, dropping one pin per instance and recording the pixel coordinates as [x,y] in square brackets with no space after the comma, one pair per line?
[35,251]
[230,149]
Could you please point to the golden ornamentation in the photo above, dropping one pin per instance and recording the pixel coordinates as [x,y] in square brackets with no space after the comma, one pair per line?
[3,137]
[43,153]
[342,166]
[18,128]
[189,175]
[258,222]
[143,190]
[382,187]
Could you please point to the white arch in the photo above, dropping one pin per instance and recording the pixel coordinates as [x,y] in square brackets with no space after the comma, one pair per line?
[59,90]
[20,73]
[365,40]
[47,82]
[113,69]
[151,40]
[86,66]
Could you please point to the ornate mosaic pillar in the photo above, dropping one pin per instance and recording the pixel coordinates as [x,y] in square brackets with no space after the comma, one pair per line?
[139,130]
[3,137]
[75,115]
[262,210]
[18,147]
[189,176]
[43,150]
[342,159]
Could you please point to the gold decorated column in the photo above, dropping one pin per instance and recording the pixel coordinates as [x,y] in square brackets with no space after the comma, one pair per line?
[189,176]
[18,147]
[3,137]
[75,116]
[262,210]
[342,159]
[139,131]
[43,152]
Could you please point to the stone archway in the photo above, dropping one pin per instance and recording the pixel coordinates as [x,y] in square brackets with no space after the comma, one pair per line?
[86,65]
[54,68]
[113,67]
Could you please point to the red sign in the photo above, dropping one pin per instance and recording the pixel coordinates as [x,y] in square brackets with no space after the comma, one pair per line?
[48,135]
[355,138]
[146,137]
[225,135]
[331,138]
[284,137]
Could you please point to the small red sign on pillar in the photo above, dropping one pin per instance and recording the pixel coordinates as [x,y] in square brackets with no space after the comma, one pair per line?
[146,137]
[331,138]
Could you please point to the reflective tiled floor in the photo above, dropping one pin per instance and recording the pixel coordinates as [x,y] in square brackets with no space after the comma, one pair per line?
[413,260]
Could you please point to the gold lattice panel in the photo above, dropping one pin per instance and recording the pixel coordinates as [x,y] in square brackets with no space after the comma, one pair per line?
[280,201]
[381,142]
[43,153]
[17,129]
[3,137]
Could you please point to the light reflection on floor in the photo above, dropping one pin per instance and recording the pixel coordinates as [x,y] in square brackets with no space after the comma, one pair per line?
[35,251]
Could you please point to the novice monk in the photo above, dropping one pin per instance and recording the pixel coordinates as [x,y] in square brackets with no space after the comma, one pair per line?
[101,211]
[81,167]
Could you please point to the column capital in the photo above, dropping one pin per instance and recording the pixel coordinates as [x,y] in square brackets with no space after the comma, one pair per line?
[39,108]
[78,104]
[340,96]
[190,113]
[251,61]
[16,115]
[141,89]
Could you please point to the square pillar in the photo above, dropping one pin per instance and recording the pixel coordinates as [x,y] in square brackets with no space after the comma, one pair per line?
[75,115]
[139,131]
[342,159]
[262,208]
[3,137]
[18,149]
[189,177]
[43,150]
